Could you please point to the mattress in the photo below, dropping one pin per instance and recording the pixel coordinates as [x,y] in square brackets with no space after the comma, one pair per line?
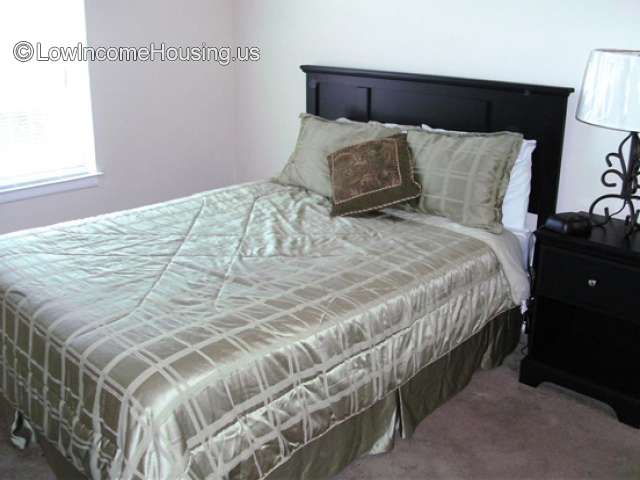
[217,335]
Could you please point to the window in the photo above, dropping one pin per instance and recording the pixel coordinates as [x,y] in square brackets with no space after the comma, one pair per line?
[46,128]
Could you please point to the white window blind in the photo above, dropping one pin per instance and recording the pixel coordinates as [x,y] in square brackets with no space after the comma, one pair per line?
[46,129]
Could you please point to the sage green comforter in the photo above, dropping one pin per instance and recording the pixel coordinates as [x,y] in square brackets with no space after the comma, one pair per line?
[216,335]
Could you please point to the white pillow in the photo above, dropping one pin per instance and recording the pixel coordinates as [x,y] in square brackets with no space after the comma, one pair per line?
[393,126]
[516,201]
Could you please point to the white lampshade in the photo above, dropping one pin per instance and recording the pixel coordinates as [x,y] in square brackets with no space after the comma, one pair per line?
[610,95]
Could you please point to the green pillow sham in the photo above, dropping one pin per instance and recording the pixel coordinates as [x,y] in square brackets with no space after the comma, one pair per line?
[318,138]
[464,176]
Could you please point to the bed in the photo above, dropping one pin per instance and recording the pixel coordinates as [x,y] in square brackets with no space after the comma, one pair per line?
[243,333]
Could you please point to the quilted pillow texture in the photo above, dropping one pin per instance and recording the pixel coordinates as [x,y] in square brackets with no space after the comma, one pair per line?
[307,167]
[465,176]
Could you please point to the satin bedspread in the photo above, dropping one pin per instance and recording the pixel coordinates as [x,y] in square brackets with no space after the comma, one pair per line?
[216,335]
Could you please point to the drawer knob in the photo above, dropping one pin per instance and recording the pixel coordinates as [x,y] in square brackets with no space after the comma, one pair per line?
[592,282]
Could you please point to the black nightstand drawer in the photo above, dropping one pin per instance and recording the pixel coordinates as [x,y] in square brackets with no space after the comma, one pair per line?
[589,345]
[590,282]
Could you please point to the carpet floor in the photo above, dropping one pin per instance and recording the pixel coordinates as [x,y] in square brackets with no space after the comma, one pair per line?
[494,429]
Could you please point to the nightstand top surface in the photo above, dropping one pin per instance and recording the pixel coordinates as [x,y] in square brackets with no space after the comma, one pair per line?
[609,238]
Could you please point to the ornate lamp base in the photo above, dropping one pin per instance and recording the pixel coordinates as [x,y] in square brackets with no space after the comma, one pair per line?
[629,192]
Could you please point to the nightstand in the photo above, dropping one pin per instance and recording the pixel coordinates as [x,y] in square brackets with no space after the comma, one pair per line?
[585,327]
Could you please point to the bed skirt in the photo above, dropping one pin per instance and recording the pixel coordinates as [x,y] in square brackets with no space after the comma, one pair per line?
[373,431]
[398,414]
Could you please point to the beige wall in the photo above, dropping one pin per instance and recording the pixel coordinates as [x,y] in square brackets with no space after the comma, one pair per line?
[545,42]
[165,130]
[162,130]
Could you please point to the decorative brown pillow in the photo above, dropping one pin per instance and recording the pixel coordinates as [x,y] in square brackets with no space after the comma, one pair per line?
[372,175]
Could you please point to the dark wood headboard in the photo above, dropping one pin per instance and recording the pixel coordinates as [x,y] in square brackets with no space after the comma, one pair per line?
[539,112]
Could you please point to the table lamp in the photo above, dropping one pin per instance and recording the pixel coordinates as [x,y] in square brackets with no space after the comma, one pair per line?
[610,98]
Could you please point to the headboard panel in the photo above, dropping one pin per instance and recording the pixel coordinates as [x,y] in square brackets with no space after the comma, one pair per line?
[539,112]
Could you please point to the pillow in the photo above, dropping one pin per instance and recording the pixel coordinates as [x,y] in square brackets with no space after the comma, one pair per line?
[515,206]
[464,176]
[391,126]
[396,126]
[372,175]
[307,167]
[516,201]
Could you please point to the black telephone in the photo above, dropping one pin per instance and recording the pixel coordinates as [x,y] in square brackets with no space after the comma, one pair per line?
[570,223]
